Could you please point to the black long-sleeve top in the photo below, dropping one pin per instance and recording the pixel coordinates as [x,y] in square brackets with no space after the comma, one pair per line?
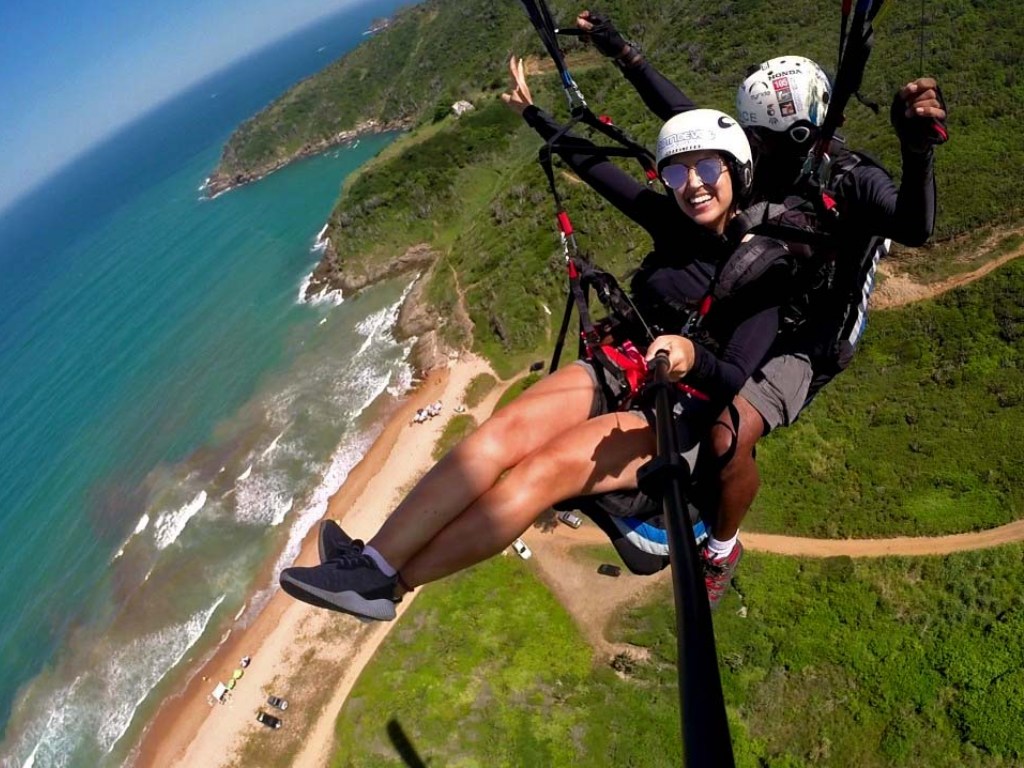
[678,273]
[869,202]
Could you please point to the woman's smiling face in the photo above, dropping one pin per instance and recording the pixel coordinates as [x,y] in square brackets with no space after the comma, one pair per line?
[705,200]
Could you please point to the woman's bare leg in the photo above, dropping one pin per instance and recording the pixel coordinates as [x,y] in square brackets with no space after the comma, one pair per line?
[554,405]
[601,455]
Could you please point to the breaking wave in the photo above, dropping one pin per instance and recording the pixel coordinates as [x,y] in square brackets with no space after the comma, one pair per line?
[169,525]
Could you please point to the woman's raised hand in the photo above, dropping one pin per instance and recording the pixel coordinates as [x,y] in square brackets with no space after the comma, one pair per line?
[680,354]
[518,97]
[602,33]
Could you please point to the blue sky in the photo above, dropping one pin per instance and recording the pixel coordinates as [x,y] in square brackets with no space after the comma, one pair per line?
[72,71]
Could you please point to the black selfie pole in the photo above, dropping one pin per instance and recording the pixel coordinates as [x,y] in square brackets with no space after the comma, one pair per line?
[705,728]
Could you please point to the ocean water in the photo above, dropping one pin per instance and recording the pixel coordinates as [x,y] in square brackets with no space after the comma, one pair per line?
[174,417]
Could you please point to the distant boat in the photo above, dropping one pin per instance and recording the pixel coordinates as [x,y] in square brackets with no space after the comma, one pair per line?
[321,48]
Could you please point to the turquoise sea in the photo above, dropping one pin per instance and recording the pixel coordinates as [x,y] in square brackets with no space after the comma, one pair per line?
[174,417]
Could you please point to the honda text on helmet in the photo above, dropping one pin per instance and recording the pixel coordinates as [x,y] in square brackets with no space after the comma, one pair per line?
[789,94]
[704,130]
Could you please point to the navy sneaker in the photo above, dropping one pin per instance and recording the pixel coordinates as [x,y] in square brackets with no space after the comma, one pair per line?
[349,582]
[333,541]
[718,572]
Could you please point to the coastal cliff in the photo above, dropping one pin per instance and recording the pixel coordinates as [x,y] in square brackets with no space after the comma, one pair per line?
[332,274]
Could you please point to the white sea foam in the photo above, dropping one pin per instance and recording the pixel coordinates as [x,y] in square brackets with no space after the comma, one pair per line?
[261,499]
[98,706]
[378,326]
[169,525]
[340,465]
[273,444]
[245,475]
[54,738]
[134,671]
[333,298]
[401,381]
[282,512]
[367,385]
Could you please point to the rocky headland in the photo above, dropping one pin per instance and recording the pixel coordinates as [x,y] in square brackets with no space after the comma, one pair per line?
[222,181]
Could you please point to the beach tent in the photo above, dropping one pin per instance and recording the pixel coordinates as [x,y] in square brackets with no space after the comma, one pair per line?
[220,692]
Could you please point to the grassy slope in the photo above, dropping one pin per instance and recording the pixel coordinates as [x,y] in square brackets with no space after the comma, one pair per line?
[869,663]
[922,435]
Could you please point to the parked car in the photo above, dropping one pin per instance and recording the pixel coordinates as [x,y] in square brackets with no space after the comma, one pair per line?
[570,519]
[278,702]
[268,720]
[521,549]
[605,569]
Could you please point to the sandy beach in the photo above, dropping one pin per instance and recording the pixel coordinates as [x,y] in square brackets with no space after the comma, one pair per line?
[308,656]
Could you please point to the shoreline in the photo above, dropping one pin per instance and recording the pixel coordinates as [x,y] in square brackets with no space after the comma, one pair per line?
[186,729]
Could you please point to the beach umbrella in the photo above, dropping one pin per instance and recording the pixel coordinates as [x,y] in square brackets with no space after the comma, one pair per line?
[237,674]
[230,684]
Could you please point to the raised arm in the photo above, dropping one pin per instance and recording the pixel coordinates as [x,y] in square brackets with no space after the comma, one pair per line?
[906,214]
[658,93]
[635,199]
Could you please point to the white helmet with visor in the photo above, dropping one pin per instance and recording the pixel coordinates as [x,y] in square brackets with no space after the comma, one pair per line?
[706,130]
[788,94]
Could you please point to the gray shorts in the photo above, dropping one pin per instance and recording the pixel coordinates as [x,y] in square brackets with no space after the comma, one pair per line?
[600,403]
[779,389]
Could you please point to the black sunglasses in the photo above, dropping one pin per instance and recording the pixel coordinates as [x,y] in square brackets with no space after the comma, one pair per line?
[708,170]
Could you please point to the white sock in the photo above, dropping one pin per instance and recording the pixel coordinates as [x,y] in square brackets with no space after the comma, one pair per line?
[378,558]
[722,549]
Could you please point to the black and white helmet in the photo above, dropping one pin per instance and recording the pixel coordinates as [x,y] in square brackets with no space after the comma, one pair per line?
[708,129]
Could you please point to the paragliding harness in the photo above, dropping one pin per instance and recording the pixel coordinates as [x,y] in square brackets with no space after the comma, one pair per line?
[829,311]
[618,361]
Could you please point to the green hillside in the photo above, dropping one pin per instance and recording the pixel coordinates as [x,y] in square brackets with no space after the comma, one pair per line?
[921,436]
[471,187]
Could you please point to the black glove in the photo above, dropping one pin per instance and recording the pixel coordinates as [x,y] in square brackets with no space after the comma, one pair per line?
[605,36]
[918,134]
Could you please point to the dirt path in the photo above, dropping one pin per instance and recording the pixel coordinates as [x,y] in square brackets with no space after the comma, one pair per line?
[594,600]
[900,289]
[591,599]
